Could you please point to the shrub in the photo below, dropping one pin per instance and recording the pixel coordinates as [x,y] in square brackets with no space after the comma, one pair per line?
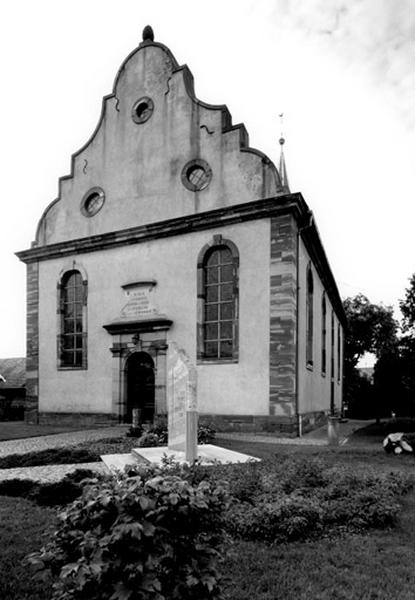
[149,439]
[286,519]
[135,431]
[303,474]
[152,536]
[297,499]
[205,434]
[363,509]
[160,429]
[244,480]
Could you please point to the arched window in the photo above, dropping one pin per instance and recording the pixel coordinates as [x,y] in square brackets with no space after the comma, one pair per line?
[339,350]
[218,301]
[309,317]
[72,310]
[332,347]
[323,333]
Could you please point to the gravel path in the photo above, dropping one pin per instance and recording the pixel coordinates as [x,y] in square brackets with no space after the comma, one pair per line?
[51,473]
[57,440]
[246,437]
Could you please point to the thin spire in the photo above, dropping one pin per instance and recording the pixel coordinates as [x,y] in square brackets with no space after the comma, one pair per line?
[283,168]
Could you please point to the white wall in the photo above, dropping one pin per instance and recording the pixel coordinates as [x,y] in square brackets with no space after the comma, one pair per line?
[240,388]
[313,385]
[139,166]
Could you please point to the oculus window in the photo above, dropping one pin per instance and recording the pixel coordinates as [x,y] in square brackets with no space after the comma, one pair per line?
[92,202]
[196,175]
[142,110]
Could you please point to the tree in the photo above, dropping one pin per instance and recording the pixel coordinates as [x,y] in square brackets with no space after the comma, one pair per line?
[407,306]
[371,328]
[407,348]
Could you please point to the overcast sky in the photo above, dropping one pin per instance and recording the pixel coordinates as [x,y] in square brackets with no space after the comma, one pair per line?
[342,72]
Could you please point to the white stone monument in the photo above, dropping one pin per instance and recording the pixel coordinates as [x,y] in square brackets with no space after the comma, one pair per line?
[182,424]
[181,403]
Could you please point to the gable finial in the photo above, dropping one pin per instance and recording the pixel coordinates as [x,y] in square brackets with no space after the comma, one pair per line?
[148,34]
[283,168]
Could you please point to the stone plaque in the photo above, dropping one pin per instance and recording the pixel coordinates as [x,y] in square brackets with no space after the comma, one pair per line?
[181,403]
[140,301]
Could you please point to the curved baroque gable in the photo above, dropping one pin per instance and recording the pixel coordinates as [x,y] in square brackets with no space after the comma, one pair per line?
[151,127]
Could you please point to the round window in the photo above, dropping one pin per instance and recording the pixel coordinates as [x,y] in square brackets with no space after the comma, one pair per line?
[196,175]
[142,110]
[92,202]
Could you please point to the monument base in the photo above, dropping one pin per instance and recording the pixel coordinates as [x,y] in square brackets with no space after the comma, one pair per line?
[207,454]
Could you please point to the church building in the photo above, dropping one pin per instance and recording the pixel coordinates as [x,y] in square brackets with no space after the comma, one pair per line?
[170,229]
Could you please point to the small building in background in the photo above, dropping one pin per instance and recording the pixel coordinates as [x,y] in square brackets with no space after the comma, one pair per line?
[170,227]
[12,388]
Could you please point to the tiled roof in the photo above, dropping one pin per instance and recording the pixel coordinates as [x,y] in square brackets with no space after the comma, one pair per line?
[14,372]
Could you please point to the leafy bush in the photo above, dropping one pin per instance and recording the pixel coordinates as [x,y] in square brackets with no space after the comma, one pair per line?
[303,474]
[205,434]
[159,428]
[303,498]
[149,537]
[135,431]
[157,435]
[148,440]
[286,519]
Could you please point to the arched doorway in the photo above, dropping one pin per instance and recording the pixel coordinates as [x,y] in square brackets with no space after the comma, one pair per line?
[140,386]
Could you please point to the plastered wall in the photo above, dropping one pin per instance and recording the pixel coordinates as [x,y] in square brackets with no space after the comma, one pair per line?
[139,166]
[313,385]
[223,388]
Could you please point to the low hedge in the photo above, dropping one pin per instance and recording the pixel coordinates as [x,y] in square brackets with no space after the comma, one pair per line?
[304,498]
[301,499]
[54,456]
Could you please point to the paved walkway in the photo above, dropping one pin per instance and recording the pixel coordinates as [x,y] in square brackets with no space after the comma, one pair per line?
[58,440]
[50,473]
[269,439]
[317,437]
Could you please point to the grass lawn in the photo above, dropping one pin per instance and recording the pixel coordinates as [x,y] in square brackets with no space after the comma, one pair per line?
[375,456]
[379,565]
[22,527]
[375,565]
[13,430]
[376,432]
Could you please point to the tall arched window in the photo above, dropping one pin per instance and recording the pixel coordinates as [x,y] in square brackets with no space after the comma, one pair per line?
[309,317]
[218,301]
[332,347]
[72,310]
[339,350]
[323,333]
